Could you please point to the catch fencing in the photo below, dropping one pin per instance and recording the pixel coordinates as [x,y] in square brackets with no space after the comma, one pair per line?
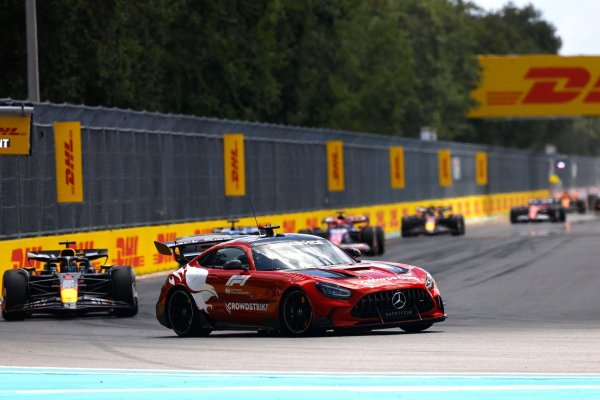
[144,168]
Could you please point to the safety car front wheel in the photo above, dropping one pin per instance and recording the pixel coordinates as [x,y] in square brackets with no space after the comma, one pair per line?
[296,314]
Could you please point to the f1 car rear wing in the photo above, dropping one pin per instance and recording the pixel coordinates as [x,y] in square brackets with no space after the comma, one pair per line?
[353,219]
[184,249]
[49,255]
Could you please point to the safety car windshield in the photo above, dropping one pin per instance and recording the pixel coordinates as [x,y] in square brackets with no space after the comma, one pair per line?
[298,254]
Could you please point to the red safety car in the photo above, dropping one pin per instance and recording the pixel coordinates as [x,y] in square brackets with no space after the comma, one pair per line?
[352,231]
[296,284]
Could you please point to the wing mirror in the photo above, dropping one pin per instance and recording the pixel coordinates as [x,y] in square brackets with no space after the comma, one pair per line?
[235,264]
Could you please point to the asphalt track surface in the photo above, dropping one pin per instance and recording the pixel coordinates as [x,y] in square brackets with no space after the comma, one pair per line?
[520,299]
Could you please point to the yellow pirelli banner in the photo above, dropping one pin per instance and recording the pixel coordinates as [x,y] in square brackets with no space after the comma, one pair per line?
[481,168]
[397,167]
[538,86]
[69,175]
[335,166]
[234,164]
[444,167]
[15,135]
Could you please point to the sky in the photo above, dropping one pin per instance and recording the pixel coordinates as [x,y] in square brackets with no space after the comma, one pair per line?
[577,21]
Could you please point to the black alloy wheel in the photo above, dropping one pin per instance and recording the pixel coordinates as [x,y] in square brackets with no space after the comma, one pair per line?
[183,315]
[296,314]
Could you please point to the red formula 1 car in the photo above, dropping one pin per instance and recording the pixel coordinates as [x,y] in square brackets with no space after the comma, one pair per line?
[539,210]
[342,230]
[294,283]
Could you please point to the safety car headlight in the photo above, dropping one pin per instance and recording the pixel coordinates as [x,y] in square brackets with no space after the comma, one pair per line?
[334,291]
[429,282]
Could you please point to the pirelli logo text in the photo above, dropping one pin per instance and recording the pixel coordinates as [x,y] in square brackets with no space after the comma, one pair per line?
[234,167]
[15,135]
[69,179]
[538,86]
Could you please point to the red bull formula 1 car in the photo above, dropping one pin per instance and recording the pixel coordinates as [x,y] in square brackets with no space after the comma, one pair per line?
[432,221]
[539,210]
[68,283]
[342,230]
[296,284]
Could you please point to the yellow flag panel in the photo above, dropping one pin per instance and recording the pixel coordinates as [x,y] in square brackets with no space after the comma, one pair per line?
[69,175]
[335,166]
[445,167]
[481,168]
[234,164]
[397,167]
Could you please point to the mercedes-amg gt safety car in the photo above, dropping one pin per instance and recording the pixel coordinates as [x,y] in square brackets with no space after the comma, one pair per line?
[432,221]
[539,210]
[296,284]
[342,230]
[68,283]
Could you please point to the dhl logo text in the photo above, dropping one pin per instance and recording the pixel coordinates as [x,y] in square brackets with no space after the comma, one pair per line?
[235,165]
[127,252]
[70,162]
[11,131]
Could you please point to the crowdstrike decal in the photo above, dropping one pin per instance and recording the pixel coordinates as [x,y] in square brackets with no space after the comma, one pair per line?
[246,307]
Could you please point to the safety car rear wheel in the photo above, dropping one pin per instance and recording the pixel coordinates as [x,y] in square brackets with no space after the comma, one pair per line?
[415,327]
[182,314]
[14,291]
[296,314]
[123,285]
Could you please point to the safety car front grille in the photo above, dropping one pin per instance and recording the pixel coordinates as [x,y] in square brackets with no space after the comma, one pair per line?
[380,304]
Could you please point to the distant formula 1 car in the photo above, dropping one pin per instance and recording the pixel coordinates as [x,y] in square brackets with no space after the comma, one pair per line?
[68,283]
[433,220]
[571,202]
[290,283]
[237,230]
[539,210]
[341,230]
[594,201]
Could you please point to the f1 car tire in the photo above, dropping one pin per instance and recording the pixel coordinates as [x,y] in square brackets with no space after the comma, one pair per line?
[123,285]
[296,314]
[513,217]
[415,327]
[182,314]
[368,236]
[14,291]
[459,225]
[380,240]
[559,215]
[581,207]
[407,224]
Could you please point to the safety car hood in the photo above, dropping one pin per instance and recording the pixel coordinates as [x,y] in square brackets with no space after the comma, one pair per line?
[369,274]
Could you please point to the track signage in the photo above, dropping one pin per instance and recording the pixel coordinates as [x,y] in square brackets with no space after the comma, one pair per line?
[445,167]
[234,164]
[397,167]
[538,86]
[15,130]
[335,166]
[69,175]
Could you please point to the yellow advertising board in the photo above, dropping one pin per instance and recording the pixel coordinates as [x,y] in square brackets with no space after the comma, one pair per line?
[538,86]
[397,167]
[135,246]
[69,175]
[234,167]
[335,166]
[481,168]
[15,135]
[445,167]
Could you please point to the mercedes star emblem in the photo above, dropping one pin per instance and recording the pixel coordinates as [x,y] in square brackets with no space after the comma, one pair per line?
[399,300]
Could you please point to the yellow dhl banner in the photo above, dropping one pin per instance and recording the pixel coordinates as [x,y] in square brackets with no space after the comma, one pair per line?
[335,166]
[397,167]
[537,86]
[481,168]
[445,167]
[234,167]
[69,175]
[135,246]
[15,135]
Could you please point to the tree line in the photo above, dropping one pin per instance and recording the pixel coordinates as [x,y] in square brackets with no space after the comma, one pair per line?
[380,66]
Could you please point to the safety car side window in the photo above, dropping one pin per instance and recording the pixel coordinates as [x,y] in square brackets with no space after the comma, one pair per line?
[207,260]
[229,253]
